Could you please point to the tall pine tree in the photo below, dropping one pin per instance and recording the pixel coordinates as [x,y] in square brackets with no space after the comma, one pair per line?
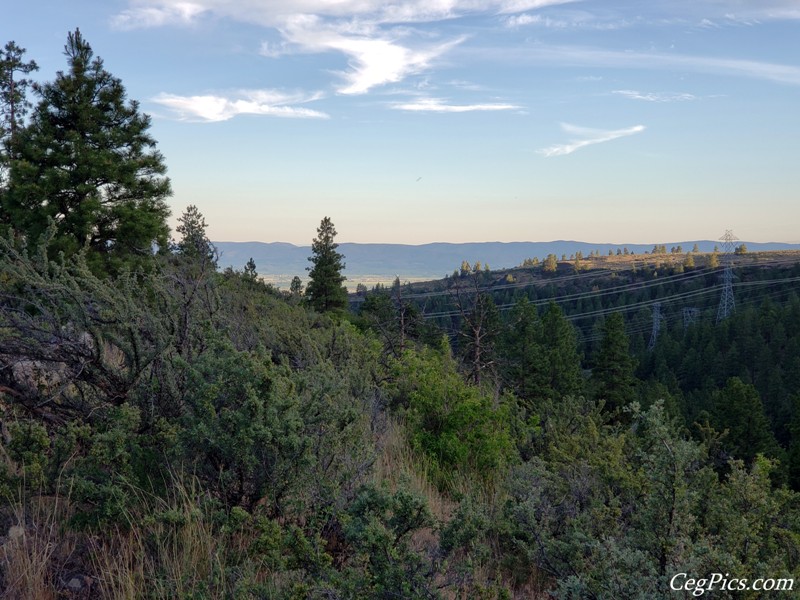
[13,89]
[325,291]
[87,162]
[613,372]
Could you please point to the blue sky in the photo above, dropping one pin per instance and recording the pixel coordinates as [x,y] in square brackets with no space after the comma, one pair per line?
[479,120]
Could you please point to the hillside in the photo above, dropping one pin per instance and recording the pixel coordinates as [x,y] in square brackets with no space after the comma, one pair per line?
[278,262]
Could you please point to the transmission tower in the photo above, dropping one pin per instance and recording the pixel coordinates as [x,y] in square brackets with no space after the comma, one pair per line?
[690,315]
[657,317]
[726,302]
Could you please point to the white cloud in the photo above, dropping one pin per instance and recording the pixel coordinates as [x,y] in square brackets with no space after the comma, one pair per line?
[169,13]
[655,96]
[212,108]
[583,56]
[517,6]
[154,13]
[375,58]
[271,50]
[439,105]
[586,137]
[363,30]
[522,20]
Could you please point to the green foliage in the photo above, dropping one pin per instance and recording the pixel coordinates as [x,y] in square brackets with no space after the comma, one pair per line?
[739,412]
[382,563]
[563,361]
[296,287]
[240,437]
[613,372]
[28,448]
[87,162]
[456,425]
[325,291]
[539,355]
[194,243]
[14,104]
[523,354]
[612,513]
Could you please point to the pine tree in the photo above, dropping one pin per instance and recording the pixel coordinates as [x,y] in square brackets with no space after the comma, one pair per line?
[87,162]
[739,411]
[250,272]
[13,89]
[296,287]
[612,374]
[523,356]
[325,291]
[194,241]
[562,361]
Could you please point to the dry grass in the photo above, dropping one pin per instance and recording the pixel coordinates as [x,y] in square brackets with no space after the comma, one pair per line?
[399,465]
[170,549]
[36,550]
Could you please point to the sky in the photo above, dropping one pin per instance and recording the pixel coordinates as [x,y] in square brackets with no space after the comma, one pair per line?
[418,121]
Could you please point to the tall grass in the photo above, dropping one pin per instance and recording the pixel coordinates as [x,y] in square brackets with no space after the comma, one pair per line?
[169,547]
[37,547]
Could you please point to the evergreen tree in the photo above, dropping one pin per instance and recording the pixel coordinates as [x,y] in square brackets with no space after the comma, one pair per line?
[250,272]
[194,242]
[296,286]
[562,361]
[13,89]
[87,162]
[739,411]
[612,374]
[523,356]
[325,291]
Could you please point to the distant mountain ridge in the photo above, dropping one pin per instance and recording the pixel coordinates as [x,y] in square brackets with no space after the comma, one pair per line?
[433,260]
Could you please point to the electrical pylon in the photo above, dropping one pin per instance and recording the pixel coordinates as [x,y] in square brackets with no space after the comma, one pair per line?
[727,302]
[690,316]
[657,316]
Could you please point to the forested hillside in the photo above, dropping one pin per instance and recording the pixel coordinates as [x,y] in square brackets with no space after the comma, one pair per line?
[171,429]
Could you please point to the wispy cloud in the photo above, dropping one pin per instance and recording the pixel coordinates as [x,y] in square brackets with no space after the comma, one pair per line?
[517,6]
[587,56]
[158,15]
[375,59]
[587,137]
[212,108]
[366,31]
[568,20]
[655,96]
[515,21]
[440,106]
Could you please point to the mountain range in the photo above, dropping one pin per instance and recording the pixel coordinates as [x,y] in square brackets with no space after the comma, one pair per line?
[280,261]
